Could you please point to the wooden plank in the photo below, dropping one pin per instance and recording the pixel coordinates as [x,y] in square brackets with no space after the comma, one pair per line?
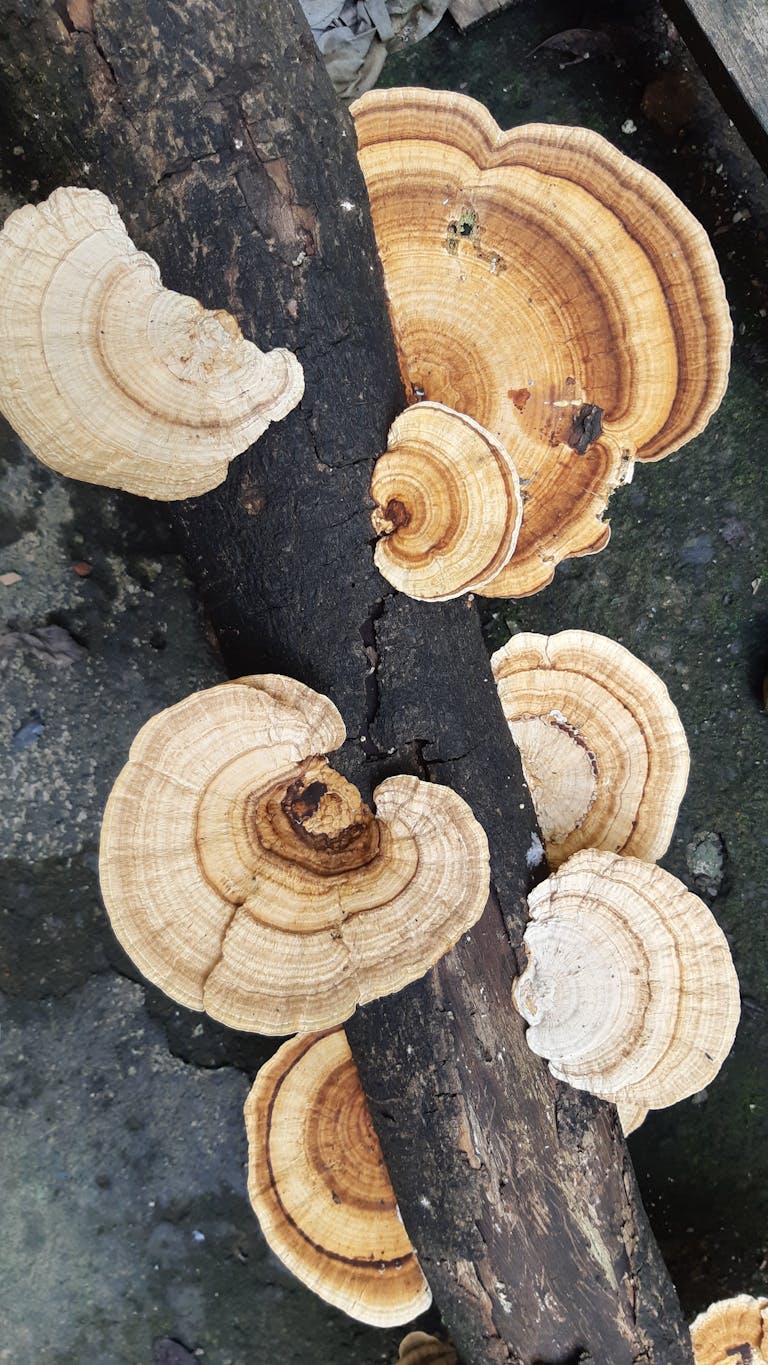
[468,12]
[729,39]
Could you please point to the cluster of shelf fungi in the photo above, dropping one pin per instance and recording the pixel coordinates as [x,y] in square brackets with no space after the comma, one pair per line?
[242,872]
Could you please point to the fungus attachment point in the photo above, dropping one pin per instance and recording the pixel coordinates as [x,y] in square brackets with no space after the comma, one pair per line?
[319,1186]
[109,377]
[629,991]
[603,749]
[731,1332]
[247,878]
[552,289]
[319,821]
[448,504]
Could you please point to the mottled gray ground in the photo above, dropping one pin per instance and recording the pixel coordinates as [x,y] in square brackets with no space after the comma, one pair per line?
[125,1219]
[124,1215]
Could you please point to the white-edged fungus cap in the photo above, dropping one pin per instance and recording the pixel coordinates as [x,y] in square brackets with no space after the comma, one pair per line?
[603,748]
[319,1186]
[248,879]
[630,991]
[109,377]
[448,504]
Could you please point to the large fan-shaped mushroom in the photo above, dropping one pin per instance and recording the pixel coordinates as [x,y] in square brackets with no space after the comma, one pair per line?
[553,290]
[319,1186]
[629,991]
[603,748]
[247,878]
[111,378]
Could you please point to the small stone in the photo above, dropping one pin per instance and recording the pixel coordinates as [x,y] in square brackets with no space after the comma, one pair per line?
[82,568]
[8,579]
[28,733]
[705,856]
[699,550]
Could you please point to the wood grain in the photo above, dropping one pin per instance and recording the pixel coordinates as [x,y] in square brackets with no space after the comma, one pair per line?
[729,39]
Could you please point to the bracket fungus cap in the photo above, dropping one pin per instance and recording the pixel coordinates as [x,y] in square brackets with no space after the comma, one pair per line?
[603,748]
[248,879]
[629,991]
[111,378]
[319,1186]
[418,1348]
[552,289]
[448,504]
[732,1331]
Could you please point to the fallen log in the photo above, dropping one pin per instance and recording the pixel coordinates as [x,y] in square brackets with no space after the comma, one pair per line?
[215,129]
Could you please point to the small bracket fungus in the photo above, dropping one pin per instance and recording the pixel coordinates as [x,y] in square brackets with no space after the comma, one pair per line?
[420,1349]
[603,748]
[248,879]
[319,1186]
[629,991]
[109,377]
[732,1332]
[552,289]
[448,504]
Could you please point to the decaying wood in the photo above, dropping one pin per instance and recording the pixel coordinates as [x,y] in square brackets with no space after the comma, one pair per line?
[215,129]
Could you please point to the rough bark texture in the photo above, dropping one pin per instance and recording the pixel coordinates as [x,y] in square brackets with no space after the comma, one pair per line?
[214,128]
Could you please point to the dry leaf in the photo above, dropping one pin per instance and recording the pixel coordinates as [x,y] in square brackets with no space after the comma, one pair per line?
[53,642]
[580,42]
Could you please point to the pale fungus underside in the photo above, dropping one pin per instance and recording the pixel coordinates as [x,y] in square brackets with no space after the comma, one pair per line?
[629,991]
[111,378]
[319,1186]
[248,879]
[553,290]
[603,748]
[732,1332]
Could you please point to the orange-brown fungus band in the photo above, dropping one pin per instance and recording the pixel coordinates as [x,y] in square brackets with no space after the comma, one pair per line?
[247,878]
[554,291]
[319,1186]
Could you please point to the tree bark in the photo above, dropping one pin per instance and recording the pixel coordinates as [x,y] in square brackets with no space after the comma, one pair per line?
[216,131]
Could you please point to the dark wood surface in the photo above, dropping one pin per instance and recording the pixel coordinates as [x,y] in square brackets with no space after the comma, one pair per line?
[729,39]
[215,129]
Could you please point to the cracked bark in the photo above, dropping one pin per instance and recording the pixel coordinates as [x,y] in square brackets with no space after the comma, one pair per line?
[214,128]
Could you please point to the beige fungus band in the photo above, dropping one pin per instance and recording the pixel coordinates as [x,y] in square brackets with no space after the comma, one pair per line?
[109,377]
[247,878]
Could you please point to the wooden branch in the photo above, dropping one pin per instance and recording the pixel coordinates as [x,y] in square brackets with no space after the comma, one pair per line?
[216,131]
